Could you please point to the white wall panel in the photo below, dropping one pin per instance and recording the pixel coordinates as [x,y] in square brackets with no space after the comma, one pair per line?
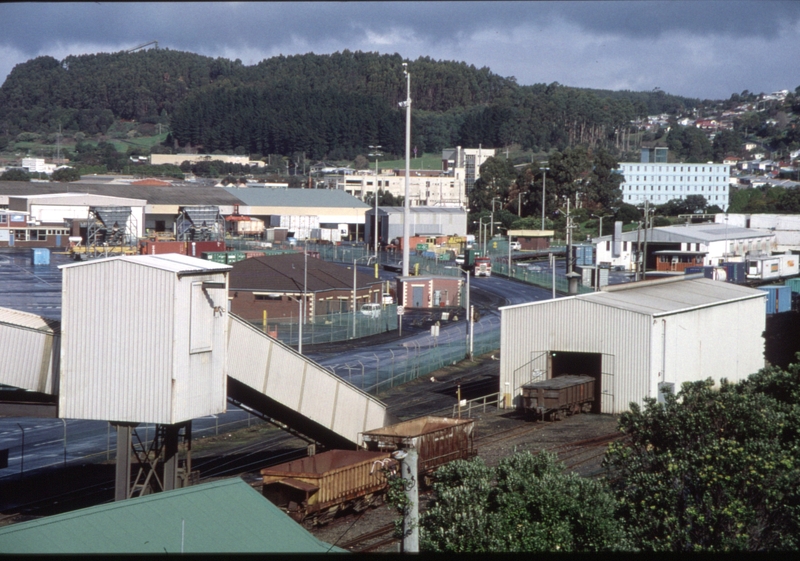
[125,349]
[300,384]
[28,354]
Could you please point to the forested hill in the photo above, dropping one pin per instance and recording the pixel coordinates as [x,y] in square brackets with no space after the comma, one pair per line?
[348,100]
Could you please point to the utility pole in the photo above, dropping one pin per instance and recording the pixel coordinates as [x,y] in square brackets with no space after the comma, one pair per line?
[646,220]
[406,201]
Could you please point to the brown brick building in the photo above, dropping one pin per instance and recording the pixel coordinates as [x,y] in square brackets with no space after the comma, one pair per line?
[275,284]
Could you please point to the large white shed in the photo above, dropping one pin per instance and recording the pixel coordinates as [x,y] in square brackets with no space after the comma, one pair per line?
[635,338]
[144,339]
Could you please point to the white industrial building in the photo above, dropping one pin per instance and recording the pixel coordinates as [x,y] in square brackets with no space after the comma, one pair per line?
[433,221]
[469,160]
[671,248]
[658,181]
[425,187]
[635,339]
[786,227]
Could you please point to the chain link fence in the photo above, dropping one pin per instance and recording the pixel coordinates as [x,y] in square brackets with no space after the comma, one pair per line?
[419,357]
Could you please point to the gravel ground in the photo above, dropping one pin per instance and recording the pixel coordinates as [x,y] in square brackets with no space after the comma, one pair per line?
[500,433]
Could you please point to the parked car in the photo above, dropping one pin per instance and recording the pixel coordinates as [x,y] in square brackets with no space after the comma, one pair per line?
[516,246]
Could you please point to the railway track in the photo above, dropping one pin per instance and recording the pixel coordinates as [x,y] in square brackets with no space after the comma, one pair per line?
[366,542]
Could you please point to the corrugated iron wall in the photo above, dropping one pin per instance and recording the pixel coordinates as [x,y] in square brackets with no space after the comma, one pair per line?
[125,353]
[28,354]
[572,325]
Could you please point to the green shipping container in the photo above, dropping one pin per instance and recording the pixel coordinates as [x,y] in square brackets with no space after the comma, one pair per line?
[235,256]
[793,284]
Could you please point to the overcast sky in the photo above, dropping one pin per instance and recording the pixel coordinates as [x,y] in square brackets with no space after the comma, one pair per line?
[699,49]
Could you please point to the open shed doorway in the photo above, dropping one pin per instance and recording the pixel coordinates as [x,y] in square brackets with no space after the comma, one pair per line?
[588,364]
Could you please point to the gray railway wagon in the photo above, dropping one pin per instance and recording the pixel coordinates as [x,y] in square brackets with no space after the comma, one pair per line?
[563,395]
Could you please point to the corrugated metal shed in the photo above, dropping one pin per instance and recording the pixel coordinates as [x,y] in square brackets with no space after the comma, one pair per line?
[144,339]
[222,517]
[29,349]
[640,335]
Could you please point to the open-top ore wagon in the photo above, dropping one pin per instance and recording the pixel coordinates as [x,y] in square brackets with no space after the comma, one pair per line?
[562,395]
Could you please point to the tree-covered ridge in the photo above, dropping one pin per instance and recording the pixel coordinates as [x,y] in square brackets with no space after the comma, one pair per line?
[454,103]
[322,123]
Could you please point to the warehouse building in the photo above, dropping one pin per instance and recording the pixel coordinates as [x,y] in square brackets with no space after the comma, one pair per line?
[637,340]
[303,210]
[425,221]
[275,284]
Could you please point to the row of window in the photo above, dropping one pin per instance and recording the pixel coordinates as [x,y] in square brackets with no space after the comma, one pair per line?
[709,198]
[697,179]
[36,235]
[675,168]
[666,188]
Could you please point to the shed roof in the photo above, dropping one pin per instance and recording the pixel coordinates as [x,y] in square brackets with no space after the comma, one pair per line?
[14,318]
[669,296]
[302,198]
[154,195]
[666,296]
[284,273]
[693,233]
[174,262]
[226,516]
[424,210]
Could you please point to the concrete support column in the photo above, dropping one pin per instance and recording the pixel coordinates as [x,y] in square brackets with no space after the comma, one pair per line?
[123,466]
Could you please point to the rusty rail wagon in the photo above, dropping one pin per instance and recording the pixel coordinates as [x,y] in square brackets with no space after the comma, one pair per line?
[314,489]
[562,395]
[438,440]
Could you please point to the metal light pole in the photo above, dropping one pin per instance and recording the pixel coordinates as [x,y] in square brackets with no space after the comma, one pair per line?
[469,316]
[600,231]
[406,201]
[303,300]
[492,229]
[481,234]
[377,155]
[544,185]
[355,306]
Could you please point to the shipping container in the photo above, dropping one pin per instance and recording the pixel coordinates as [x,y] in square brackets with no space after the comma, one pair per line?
[779,298]
[438,440]
[772,267]
[317,487]
[583,254]
[41,256]
[793,284]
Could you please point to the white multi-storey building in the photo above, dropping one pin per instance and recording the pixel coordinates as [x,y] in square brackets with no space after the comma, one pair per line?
[468,159]
[425,187]
[660,181]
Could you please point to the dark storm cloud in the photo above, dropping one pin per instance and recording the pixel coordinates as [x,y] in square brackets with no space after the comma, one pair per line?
[699,49]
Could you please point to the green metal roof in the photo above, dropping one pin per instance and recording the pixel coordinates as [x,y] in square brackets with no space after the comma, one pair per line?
[304,198]
[226,516]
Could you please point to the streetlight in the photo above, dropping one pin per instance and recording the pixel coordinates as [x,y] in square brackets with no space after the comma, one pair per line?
[600,231]
[406,201]
[544,185]
[377,155]
[355,306]
[492,229]
[481,233]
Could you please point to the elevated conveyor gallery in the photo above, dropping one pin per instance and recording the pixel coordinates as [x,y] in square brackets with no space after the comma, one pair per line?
[263,374]
[272,378]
